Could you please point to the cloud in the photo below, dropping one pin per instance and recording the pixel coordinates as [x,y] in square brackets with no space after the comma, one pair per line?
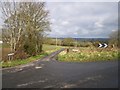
[82,19]
[99,24]
[65,23]
[114,30]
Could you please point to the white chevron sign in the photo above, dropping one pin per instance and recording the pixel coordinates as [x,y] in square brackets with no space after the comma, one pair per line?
[100,45]
[104,45]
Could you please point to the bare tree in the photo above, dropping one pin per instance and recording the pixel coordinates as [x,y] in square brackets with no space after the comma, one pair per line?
[114,38]
[24,22]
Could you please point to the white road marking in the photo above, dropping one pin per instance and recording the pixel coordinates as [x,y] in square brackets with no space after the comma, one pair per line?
[38,67]
[93,78]
[69,85]
[32,82]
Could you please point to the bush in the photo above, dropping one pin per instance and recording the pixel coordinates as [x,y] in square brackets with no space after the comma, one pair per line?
[68,42]
[20,55]
[85,44]
[30,49]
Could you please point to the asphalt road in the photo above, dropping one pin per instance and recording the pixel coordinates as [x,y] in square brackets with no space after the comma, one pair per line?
[50,73]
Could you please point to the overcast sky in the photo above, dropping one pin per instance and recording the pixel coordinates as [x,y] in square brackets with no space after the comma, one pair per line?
[83,20]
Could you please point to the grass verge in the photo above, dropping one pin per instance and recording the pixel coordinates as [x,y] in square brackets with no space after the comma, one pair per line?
[89,55]
[48,49]
[23,61]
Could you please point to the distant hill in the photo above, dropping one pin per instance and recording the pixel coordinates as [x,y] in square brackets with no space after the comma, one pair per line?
[90,39]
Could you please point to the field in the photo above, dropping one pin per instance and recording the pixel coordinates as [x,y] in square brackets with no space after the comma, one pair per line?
[46,48]
[51,48]
[87,54]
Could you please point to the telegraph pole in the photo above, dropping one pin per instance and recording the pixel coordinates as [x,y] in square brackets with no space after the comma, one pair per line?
[76,42]
[56,41]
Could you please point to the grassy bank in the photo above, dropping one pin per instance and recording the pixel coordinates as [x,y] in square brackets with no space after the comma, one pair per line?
[24,61]
[89,55]
[48,49]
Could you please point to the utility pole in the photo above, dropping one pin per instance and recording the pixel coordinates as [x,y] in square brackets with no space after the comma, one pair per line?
[56,41]
[76,43]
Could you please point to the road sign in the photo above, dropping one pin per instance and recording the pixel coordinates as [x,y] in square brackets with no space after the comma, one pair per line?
[100,45]
[104,45]
[10,56]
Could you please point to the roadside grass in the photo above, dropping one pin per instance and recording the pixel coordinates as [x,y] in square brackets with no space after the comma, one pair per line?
[48,49]
[90,55]
[23,61]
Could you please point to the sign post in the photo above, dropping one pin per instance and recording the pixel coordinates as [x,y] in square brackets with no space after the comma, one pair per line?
[10,56]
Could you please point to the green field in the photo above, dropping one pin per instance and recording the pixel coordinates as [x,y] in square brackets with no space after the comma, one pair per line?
[51,48]
[46,48]
[89,55]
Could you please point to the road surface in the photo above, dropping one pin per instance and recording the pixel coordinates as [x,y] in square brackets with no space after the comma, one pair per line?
[50,73]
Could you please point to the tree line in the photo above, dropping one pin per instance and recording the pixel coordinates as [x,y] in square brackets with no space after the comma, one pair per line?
[67,42]
[113,41]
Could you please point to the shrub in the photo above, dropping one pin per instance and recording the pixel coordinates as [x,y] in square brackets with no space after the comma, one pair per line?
[85,44]
[68,42]
[20,55]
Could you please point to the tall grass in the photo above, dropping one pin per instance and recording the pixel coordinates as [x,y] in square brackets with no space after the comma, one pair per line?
[90,55]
